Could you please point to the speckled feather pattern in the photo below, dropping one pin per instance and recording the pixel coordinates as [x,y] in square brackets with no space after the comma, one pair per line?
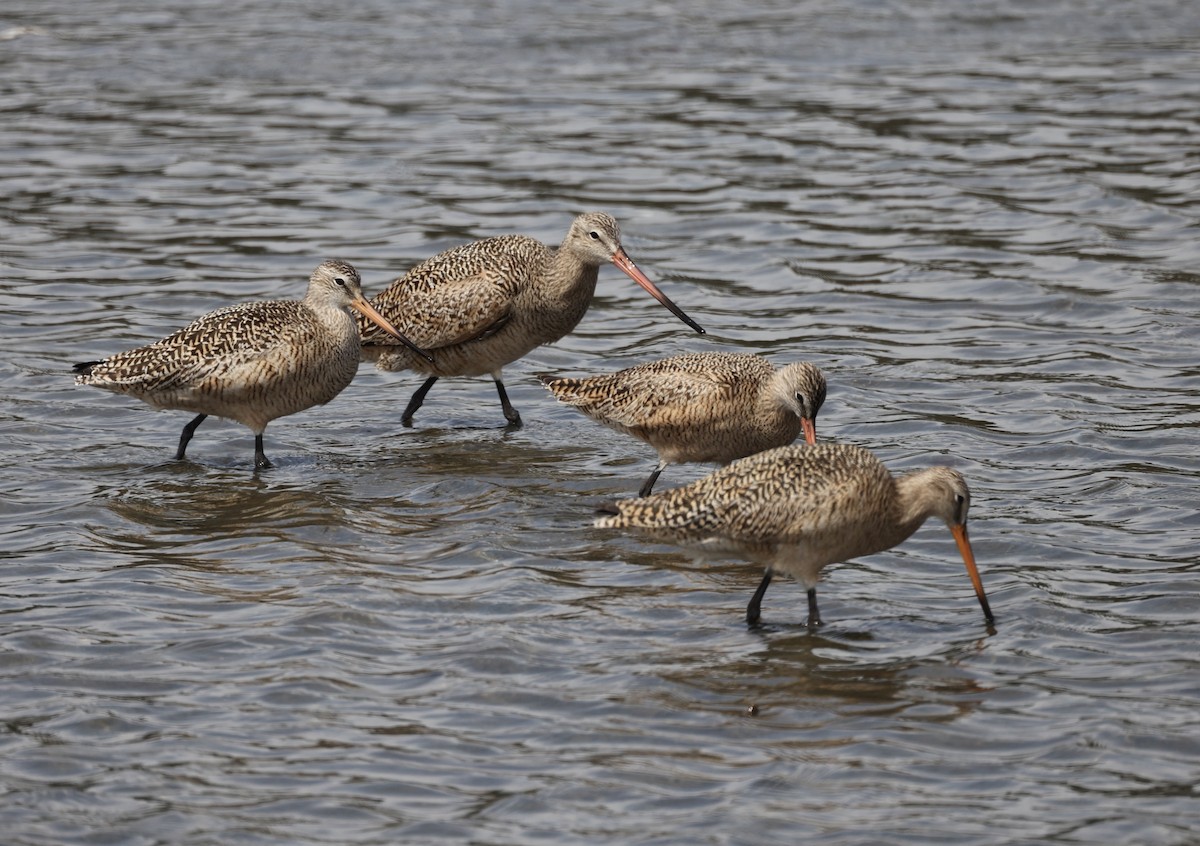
[794,508]
[251,362]
[712,406]
[480,306]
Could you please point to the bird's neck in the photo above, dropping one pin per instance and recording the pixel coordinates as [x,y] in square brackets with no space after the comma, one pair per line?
[568,276]
[916,500]
[334,315]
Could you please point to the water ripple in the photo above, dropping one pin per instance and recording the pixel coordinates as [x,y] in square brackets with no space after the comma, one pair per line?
[980,221]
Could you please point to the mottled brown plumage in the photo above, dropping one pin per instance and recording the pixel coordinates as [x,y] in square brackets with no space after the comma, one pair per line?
[698,407]
[795,509]
[486,304]
[251,362]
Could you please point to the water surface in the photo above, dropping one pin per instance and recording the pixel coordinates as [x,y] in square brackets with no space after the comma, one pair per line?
[980,221]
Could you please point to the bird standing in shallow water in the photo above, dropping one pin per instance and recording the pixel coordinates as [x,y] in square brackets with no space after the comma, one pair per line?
[795,509]
[486,304]
[251,362]
[700,407]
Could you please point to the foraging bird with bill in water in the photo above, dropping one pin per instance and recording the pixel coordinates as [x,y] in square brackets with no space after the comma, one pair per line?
[797,509]
[483,305]
[702,407]
[251,362]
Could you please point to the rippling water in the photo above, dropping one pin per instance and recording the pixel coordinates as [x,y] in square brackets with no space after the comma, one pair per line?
[979,219]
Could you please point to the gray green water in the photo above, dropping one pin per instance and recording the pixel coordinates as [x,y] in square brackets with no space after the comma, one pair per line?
[979,219]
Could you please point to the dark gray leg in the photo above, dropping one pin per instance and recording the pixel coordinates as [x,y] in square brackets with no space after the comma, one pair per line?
[260,458]
[754,608]
[510,413]
[415,402]
[814,616]
[648,485]
[188,431]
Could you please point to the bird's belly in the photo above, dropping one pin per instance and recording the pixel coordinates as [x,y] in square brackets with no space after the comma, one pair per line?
[511,342]
[717,442]
[804,559]
[255,394]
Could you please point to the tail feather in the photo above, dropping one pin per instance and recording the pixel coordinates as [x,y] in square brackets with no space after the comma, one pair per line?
[609,516]
[583,393]
[84,368]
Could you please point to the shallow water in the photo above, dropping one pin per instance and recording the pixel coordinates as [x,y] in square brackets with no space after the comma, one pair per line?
[980,221]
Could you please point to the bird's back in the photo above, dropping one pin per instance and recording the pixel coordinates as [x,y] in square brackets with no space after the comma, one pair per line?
[212,344]
[450,296]
[784,496]
[691,407]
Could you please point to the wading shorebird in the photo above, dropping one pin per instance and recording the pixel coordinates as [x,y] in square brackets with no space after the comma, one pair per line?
[486,304]
[795,509]
[702,407]
[251,362]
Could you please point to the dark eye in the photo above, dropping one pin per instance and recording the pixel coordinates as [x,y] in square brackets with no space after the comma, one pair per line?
[594,235]
[341,283]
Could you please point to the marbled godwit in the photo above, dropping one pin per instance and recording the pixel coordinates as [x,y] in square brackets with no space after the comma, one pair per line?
[714,406]
[251,362]
[486,304]
[795,509]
